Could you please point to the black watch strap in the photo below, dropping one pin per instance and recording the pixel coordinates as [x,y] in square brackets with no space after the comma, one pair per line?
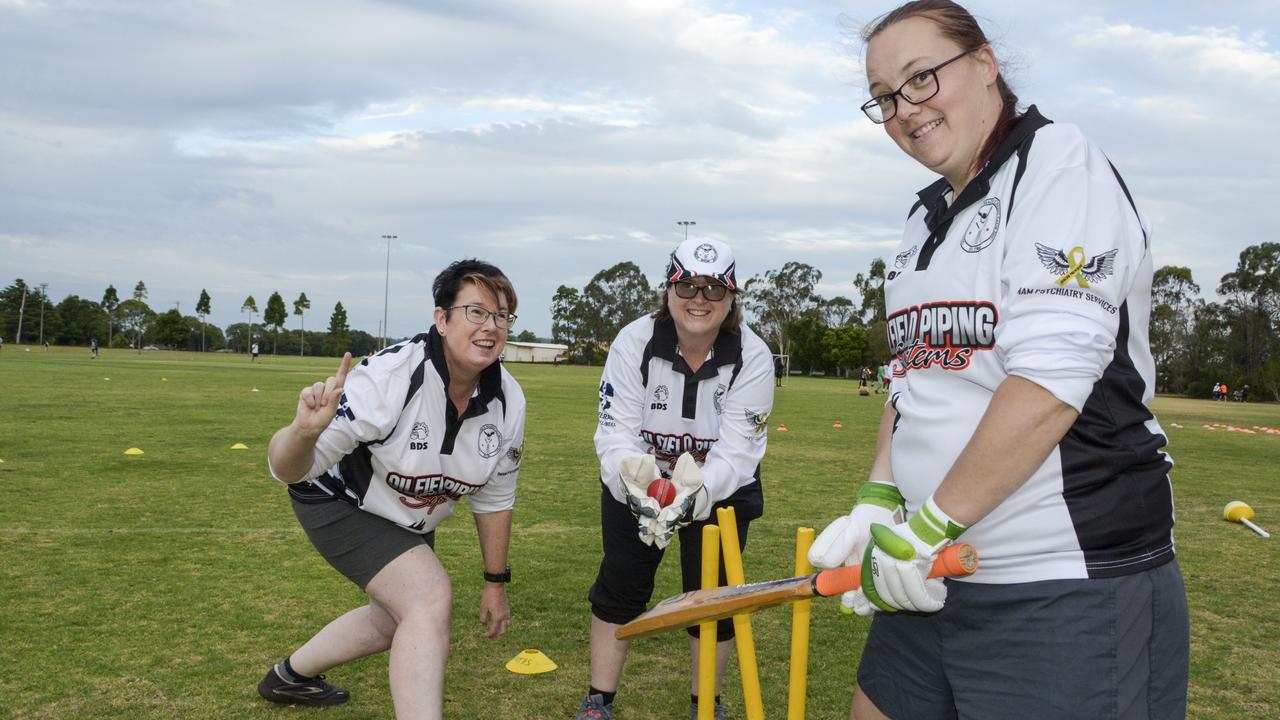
[502,577]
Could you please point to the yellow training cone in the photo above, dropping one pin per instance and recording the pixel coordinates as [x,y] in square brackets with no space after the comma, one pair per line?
[133,451]
[1236,511]
[239,446]
[530,662]
[255,389]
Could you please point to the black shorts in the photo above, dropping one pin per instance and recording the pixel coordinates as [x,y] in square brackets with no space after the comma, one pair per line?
[356,543]
[1065,649]
[624,584]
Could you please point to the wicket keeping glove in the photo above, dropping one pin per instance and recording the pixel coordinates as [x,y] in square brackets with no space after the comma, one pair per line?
[896,563]
[844,541]
[692,502]
[636,472]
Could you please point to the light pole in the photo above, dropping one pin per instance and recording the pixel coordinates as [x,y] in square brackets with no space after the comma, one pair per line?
[43,288]
[686,224]
[386,289]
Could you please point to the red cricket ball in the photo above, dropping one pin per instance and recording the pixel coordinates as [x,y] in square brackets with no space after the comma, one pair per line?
[662,490]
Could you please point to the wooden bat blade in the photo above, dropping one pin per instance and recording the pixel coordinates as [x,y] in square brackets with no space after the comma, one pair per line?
[691,608]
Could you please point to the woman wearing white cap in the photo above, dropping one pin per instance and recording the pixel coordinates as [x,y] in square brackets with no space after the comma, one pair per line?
[685,395]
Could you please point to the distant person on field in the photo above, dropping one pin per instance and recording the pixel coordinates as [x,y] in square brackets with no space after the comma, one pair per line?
[93,348]
[1217,390]
[253,352]
[685,395]
[1222,392]
[376,460]
[1,342]
[882,378]
[1019,419]
[778,371]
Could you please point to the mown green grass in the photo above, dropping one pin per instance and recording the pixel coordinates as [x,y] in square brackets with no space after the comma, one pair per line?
[161,586]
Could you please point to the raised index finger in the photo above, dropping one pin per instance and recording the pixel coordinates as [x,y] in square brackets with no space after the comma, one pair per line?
[340,379]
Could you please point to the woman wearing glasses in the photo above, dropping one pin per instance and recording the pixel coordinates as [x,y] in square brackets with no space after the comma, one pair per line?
[376,459]
[685,395]
[1018,421]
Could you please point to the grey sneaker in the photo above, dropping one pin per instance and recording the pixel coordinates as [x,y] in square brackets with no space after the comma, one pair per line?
[693,711]
[594,708]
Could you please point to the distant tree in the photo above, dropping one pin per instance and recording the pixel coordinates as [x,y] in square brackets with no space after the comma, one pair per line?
[82,320]
[611,299]
[1174,296]
[171,330]
[136,317]
[805,337]
[140,291]
[204,306]
[12,302]
[845,347]
[837,311]
[567,322]
[276,316]
[871,288]
[301,306]
[1252,291]
[781,297]
[110,301]
[526,336]
[249,306]
[339,338]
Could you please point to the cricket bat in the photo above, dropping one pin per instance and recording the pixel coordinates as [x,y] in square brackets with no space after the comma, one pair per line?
[691,608]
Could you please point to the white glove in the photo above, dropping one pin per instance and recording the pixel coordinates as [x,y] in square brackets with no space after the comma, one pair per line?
[844,541]
[896,564]
[636,472]
[692,502]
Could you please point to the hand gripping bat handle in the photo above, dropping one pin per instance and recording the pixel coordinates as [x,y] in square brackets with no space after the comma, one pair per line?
[954,561]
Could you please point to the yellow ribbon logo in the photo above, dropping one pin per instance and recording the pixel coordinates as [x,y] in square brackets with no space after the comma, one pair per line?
[1076,259]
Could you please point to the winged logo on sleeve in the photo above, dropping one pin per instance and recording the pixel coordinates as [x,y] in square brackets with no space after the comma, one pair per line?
[1073,265]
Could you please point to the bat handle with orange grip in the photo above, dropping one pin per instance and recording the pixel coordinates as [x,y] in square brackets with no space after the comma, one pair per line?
[953,561]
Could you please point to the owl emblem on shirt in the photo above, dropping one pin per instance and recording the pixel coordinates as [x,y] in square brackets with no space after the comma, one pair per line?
[982,228]
[489,442]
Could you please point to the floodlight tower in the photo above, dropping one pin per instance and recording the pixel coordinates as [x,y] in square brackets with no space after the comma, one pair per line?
[686,224]
[386,289]
[43,288]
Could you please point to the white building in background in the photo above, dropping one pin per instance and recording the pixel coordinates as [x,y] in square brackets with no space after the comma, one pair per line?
[535,352]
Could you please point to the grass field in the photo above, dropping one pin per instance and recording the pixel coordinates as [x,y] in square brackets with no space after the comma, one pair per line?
[162,585]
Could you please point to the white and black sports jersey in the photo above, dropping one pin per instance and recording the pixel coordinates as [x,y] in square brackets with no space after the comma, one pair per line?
[651,402]
[398,448]
[1041,268]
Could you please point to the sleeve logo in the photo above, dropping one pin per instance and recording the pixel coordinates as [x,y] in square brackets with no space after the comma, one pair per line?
[1075,266]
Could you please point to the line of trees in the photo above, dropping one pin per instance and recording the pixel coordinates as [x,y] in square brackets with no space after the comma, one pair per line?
[132,323]
[1196,342]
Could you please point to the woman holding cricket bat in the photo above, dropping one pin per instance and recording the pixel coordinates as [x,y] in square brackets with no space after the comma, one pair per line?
[1017,312]
[376,459]
[685,397]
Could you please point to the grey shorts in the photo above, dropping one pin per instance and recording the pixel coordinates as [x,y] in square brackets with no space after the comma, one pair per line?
[1102,649]
[356,543]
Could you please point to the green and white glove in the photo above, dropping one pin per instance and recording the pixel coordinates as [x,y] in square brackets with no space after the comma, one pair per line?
[636,472]
[896,563]
[692,502]
[844,541]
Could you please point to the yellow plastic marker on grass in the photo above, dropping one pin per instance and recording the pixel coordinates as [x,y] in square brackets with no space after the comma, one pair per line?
[530,662]
[1240,512]
[133,451]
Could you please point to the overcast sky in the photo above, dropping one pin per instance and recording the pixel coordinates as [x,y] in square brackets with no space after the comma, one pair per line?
[250,147]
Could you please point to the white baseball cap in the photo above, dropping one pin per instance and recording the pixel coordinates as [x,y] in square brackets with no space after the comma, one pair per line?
[703,257]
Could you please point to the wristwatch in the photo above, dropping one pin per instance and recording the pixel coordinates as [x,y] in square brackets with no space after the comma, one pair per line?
[502,577]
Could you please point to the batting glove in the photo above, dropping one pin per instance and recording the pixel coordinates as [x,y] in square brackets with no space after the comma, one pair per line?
[896,563]
[636,472]
[692,502]
[844,541]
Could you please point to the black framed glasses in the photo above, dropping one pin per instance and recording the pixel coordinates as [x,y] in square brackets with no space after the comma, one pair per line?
[917,89]
[711,291]
[479,316]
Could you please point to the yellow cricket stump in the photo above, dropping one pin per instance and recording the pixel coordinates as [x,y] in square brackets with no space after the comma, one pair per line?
[707,630]
[741,623]
[798,679]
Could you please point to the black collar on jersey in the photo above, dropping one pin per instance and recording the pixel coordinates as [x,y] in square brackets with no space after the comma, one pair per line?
[938,215]
[726,350]
[490,388]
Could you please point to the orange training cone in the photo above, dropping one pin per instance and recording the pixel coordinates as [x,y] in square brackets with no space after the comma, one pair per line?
[837,425]
[782,428]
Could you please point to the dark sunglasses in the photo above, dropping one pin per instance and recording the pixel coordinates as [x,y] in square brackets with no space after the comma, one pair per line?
[711,291]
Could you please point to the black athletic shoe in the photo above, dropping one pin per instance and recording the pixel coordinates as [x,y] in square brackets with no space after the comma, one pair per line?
[314,692]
